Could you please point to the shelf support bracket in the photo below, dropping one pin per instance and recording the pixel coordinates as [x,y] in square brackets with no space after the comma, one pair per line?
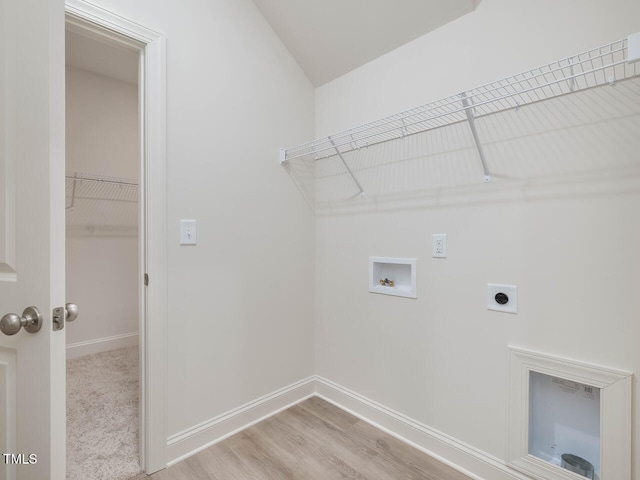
[469,111]
[73,193]
[347,166]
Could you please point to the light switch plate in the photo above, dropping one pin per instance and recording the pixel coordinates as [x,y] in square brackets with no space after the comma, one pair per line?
[188,232]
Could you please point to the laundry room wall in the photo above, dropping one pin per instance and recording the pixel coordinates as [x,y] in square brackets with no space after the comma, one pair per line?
[442,359]
[240,302]
[102,235]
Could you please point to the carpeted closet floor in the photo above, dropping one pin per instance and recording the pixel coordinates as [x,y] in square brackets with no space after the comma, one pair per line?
[102,416]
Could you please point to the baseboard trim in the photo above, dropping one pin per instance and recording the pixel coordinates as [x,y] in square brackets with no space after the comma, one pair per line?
[468,460]
[474,463]
[104,344]
[193,440]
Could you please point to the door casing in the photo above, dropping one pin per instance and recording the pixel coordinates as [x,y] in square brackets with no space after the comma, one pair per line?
[91,20]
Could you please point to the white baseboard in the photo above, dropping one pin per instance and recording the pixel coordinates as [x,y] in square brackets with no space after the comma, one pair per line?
[199,437]
[469,460]
[98,345]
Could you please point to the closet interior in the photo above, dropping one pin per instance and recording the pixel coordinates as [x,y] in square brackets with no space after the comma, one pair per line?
[102,256]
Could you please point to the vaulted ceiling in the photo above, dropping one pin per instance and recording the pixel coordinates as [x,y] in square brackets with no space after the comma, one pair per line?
[329,38]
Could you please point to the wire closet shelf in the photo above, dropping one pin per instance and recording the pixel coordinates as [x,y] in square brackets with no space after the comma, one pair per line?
[88,186]
[101,205]
[604,65]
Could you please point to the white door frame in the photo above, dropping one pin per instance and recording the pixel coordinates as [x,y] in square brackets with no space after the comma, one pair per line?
[99,23]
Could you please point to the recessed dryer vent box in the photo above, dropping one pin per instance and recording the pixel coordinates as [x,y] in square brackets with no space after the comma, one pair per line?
[564,423]
[568,419]
[393,276]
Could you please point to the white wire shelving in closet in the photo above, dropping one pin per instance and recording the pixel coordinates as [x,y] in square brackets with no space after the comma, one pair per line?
[603,66]
[101,202]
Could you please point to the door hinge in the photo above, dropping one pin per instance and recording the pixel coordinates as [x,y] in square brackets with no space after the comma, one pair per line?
[146,279]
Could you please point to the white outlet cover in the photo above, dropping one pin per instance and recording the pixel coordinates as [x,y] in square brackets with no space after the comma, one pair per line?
[439,244]
[511,291]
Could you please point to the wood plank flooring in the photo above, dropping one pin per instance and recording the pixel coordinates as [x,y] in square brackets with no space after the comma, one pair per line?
[313,440]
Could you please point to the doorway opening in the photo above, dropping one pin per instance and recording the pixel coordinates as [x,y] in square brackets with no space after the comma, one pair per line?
[104,254]
[110,28]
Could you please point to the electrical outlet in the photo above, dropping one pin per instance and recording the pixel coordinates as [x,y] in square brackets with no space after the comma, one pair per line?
[439,245]
[502,298]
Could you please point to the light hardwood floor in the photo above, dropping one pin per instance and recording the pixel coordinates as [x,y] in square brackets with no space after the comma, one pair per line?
[313,440]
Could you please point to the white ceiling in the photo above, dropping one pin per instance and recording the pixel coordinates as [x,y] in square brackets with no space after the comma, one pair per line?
[101,58]
[329,38]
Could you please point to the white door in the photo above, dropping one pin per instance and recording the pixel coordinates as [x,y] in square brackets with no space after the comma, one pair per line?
[32,264]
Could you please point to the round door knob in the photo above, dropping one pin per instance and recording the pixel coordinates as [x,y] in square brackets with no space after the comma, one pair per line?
[31,320]
[10,324]
[72,311]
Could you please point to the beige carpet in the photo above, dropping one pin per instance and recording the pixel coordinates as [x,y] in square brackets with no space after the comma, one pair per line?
[102,416]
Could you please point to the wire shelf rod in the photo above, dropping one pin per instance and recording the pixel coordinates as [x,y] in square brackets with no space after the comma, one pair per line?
[333,154]
[102,199]
[97,178]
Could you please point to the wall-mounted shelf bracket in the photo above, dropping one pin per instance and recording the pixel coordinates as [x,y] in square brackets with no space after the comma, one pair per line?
[472,125]
[633,42]
[73,193]
[347,167]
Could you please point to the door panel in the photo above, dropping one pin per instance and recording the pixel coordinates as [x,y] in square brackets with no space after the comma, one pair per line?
[32,228]
[7,228]
[7,410]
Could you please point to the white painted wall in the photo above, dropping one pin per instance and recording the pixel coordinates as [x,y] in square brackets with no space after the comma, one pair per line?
[102,125]
[442,359]
[240,302]
[102,263]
